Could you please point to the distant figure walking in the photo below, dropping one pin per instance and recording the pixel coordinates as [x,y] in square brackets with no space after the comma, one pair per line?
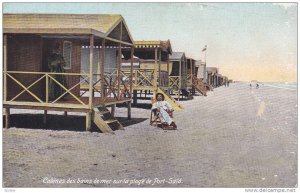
[164,109]
[227,83]
[257,85]
[250,86]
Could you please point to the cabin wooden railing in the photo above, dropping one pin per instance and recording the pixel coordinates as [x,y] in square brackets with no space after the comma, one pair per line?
[140,77]
[42,78]
[76,98]
[189,79]
[115,88]
[174,82]
[111,85]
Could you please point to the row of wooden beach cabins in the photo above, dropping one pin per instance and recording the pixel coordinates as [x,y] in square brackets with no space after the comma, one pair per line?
[103,67]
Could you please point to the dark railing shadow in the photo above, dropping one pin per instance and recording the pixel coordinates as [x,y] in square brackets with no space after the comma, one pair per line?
[138,105]
[54,122]
[60,122]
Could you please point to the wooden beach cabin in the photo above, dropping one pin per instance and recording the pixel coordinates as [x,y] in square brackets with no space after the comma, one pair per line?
[30,40]
[196,79]
[179,75]
[219,80]
[201,72]
[152,76]
[191,68]
[212,76]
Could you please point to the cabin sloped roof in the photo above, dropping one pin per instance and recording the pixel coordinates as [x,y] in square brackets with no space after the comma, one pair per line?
[177,55]
[213,70]
[165,45]
[104,24]
[189,58]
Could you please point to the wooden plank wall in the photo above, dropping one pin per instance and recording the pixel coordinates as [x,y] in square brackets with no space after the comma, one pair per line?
[23,54]
[30,53]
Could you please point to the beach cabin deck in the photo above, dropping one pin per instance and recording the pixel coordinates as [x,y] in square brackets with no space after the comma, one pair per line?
[152,75]
[91,42]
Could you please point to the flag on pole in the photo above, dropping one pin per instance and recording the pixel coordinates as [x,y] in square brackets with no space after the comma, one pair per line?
[204,49]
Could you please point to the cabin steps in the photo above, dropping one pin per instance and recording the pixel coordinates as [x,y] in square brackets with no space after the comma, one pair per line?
[175,105]
[105,121]
[200,86]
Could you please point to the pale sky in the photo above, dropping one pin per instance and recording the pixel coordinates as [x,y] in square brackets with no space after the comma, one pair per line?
[247,41]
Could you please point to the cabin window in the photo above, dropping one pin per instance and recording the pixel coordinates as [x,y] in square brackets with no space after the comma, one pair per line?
[67,54]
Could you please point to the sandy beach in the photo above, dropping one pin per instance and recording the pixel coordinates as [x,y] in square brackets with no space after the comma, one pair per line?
[234,137]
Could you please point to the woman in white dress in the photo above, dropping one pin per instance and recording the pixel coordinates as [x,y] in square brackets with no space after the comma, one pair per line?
[164,109]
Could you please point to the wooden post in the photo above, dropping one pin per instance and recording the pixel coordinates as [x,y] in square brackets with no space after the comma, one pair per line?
[155,73]
[180,75]
[103,94]
[113,109]
[7,115]
[129,110]
[119,62]
[98,66]
[159,67]
[191,78]
[47,88]
[88,121]
[45,117]
[168,68]
[134,97]
[119,70]
[5,67]
[131,69]
[91,71]
[136,77]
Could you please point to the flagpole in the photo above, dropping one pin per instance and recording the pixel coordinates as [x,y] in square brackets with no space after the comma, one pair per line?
[205,55]
[204,50]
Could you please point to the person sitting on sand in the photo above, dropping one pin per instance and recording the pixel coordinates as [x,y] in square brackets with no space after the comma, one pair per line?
[164,109]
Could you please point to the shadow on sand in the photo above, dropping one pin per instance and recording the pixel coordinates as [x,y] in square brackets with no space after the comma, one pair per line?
[138,105]
[59,122]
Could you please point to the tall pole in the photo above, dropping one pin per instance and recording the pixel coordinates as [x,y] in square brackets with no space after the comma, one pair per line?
[205,57]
